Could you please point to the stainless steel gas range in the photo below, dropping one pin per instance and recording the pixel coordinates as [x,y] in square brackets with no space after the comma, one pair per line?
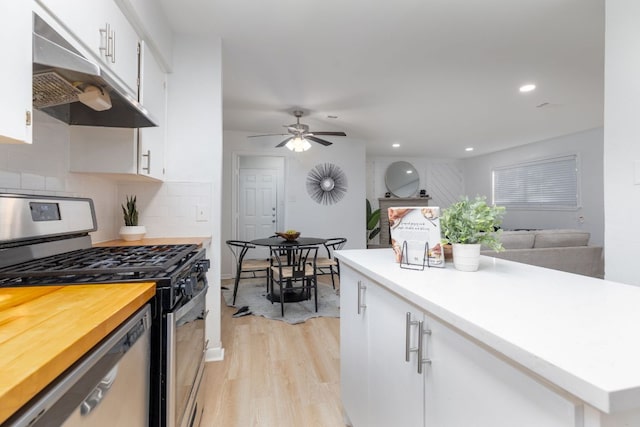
[45,240]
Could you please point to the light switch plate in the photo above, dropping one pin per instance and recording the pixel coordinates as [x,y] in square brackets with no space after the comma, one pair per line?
[202,213]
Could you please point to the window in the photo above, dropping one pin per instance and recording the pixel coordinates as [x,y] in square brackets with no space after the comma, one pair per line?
[544,184]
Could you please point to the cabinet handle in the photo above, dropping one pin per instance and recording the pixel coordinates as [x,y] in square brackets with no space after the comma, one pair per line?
[361,289]
[109,45]
[407,344]
[113,47]
[148,156]
[421,333]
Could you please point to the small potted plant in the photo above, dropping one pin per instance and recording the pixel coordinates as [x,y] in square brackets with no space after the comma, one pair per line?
[468,224]
[131,231]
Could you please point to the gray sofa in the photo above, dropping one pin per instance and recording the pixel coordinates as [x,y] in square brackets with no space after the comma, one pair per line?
[565,250]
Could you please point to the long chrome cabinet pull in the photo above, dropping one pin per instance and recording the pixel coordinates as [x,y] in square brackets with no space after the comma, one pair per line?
[421,333]
[407,344]
[105,48]
[361,289]
[148,156]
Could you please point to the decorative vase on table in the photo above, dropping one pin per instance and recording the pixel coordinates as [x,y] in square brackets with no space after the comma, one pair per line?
[131,231]
[468,225]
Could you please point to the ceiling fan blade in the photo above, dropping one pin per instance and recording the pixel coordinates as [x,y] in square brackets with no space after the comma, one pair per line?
[268,134]
[330,133]
[318,140]
[283,143]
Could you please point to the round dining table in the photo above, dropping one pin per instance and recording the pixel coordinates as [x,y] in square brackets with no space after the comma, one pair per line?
[289,295]
[279,241]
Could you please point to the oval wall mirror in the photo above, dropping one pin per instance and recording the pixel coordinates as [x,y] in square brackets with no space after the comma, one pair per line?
[402,179]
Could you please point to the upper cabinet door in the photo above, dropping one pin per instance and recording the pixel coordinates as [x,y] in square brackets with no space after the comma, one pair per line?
[15,78]
[153,95]
[103,31]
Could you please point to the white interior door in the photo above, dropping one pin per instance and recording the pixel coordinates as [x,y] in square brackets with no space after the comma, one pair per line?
[258,204]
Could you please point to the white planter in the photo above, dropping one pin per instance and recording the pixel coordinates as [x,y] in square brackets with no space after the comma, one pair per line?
[132,232]
[466,257]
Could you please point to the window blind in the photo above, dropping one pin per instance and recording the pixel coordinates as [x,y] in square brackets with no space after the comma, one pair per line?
[545,184]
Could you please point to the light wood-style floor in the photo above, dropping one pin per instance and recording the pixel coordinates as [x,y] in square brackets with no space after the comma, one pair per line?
[275,374]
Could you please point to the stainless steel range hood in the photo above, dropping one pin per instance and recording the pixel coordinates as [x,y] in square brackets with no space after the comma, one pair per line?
[61,75]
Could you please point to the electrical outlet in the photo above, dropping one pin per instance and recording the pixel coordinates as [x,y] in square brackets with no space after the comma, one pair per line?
[202,213]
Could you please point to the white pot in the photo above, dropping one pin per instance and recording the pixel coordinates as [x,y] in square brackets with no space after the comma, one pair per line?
[466,257]
[132,232]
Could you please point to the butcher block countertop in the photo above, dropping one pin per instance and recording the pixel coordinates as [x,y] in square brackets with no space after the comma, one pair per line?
[200,241]
[45,329]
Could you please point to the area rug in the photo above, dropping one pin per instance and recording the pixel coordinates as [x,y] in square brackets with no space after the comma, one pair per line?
[253,294]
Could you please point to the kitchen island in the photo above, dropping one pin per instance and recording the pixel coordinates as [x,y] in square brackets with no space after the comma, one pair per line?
[46,329]
[510,344]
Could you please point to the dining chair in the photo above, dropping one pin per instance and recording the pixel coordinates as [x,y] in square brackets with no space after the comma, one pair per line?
[257,268]
[329,264]
[293,269]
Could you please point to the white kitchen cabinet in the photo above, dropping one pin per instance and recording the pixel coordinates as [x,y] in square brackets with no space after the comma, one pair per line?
[461,383]
[105,33]
[153,95]
[379,387]
[15,78]
[468,385]
[128,153]
[354,347]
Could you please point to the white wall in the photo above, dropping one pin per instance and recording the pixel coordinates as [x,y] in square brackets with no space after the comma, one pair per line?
[588,145]
[43,168]
[194,156]
[343,219]
[441,178]
[621,141]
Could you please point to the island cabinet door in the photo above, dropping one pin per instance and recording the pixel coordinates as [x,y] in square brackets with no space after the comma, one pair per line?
[354,347]
[379,387]
[396,388]
[468,385]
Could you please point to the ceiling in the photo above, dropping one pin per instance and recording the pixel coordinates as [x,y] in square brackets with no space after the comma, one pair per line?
[435,76]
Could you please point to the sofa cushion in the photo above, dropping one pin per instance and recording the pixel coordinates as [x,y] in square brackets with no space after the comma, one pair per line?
[561,238]
[517,239]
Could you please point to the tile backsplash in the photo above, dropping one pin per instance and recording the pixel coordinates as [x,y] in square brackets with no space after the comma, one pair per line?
[166,209]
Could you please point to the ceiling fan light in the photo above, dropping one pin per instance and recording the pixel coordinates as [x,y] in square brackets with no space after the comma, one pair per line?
[298,144]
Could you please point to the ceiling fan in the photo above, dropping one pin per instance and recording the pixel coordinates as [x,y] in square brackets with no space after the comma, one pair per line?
[300,135]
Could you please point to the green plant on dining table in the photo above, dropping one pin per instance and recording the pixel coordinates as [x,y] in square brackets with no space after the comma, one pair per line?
[472,222]
[130,212]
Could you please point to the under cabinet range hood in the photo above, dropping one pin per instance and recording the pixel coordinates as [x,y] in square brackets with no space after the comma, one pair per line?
[76,90]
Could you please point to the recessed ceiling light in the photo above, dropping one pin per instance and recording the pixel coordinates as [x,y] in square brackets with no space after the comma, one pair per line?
[527,88]
[396,145]
[409,171]
[468,149]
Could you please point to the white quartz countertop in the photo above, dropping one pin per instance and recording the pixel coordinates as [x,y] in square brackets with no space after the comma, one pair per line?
[579,333]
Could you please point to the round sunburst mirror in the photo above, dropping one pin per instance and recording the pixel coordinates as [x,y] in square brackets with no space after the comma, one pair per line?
[326,184]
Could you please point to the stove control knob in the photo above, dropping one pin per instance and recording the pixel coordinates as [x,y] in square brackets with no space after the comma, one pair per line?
[203,265]
[186,285]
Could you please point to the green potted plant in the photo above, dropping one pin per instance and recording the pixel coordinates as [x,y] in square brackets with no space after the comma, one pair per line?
[373,220]
[131,231]
[468,224]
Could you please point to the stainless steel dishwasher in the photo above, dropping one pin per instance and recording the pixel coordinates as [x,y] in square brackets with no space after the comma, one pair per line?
[107,387]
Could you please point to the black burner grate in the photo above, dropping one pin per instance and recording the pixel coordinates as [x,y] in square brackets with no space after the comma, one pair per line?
[128,261]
